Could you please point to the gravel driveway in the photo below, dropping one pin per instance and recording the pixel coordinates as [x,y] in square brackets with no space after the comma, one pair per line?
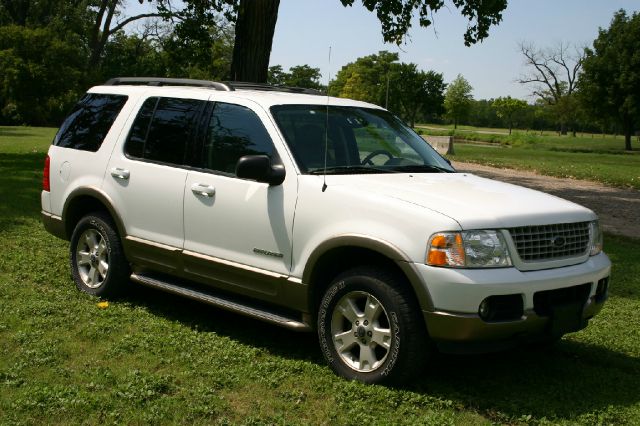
[618,209]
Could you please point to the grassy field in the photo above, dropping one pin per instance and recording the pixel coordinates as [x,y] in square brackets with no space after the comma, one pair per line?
[499,130]
[152,358]
[598,158]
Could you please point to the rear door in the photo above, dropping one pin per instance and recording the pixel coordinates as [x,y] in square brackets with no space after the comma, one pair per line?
[146,178]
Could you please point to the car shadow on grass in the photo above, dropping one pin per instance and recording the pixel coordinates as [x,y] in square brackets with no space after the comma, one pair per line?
[562,381]
[208,319]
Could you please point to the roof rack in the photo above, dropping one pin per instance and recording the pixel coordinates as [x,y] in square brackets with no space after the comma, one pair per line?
[226,86]
[161,81]
[241,85]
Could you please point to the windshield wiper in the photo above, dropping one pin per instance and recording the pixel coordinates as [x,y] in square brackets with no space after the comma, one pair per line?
[333,170]
[422,168]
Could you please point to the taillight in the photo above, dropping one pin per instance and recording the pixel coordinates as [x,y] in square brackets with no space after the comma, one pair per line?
[46,186]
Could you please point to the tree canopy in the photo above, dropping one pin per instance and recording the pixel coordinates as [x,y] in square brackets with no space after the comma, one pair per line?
[610,82]
[553,75]
[417,92]
[298,76]
[508,108]
[255,22]
[400,87]
[458,99]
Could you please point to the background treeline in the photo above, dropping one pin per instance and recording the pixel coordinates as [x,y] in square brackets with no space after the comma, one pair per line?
[51,51]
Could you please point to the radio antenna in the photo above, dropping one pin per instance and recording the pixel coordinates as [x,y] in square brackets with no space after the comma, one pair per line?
[326,128]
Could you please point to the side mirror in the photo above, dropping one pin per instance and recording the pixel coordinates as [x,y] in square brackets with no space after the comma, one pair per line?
[259,168]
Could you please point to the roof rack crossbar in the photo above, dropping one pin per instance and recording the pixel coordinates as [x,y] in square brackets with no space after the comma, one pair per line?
[161,81]
[242,85]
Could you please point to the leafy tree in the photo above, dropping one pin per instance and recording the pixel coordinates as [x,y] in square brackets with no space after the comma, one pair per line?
[40,74]
[198,48]
[402,88]
[418,92]
[298,76]
[508,108]
[131,55]
[304,76]
[276,75]
[482,114]
[365,79]
[458,100]
[95,21]
[356,87]
[63,16]
[255,22]
[553,73]
[610,82]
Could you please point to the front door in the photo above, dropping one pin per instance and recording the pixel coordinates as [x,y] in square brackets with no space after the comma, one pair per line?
[238,232]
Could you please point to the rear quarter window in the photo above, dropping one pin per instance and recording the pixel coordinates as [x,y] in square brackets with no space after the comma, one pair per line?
[89,122]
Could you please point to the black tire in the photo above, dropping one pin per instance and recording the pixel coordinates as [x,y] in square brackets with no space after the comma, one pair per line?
[94,243]
[349,356]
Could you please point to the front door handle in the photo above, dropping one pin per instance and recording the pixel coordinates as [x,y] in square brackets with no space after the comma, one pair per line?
[203,189]
[119,173]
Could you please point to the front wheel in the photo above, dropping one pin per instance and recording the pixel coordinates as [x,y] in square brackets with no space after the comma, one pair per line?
[97,260]
[370,327]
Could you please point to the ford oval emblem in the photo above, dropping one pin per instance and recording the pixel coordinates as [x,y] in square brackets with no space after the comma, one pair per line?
[558,242]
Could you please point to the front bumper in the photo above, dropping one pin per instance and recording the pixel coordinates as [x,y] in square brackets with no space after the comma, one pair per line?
[456,295]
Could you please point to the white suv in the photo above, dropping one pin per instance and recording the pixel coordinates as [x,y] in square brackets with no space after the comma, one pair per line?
[314,213]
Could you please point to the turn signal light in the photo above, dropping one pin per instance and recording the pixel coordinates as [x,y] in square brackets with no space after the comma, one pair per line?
[446,249]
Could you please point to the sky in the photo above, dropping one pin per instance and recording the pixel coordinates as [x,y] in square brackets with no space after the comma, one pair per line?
[307,28]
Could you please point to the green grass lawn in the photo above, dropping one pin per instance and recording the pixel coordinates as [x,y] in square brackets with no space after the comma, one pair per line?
[597,158]
[153,358]
[612,169]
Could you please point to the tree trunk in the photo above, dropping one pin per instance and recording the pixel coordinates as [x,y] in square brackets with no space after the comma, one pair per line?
[255,25]
[510,127]
[563,129]
[627,129]
[412,118]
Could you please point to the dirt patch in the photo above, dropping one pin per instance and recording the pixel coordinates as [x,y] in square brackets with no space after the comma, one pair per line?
[618,209]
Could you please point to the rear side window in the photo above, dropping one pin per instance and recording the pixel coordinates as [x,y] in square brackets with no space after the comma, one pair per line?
[89,122]
[234,131]
[163,128]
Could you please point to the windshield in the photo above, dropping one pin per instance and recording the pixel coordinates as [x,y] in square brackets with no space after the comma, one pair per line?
[358,140]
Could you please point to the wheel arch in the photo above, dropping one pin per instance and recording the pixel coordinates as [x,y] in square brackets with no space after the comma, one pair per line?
[344,252]
[85,200]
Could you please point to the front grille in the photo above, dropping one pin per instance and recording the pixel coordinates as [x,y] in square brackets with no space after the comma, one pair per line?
[548,242]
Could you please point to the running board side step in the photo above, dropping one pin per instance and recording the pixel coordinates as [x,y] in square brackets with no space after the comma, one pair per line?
[223,303]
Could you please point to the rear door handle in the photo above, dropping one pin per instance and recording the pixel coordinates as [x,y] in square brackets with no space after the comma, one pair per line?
[119,173]
[203,189]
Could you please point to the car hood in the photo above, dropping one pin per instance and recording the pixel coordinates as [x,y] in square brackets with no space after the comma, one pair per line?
[472,201]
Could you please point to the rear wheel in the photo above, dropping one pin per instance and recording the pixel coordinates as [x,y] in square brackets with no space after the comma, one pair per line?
[370,327]
[97,260]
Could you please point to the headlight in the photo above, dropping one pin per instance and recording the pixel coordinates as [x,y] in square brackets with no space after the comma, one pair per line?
[595,238]
[468,249]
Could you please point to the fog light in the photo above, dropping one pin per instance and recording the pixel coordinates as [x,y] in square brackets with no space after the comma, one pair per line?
[484,310]
[508,307]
